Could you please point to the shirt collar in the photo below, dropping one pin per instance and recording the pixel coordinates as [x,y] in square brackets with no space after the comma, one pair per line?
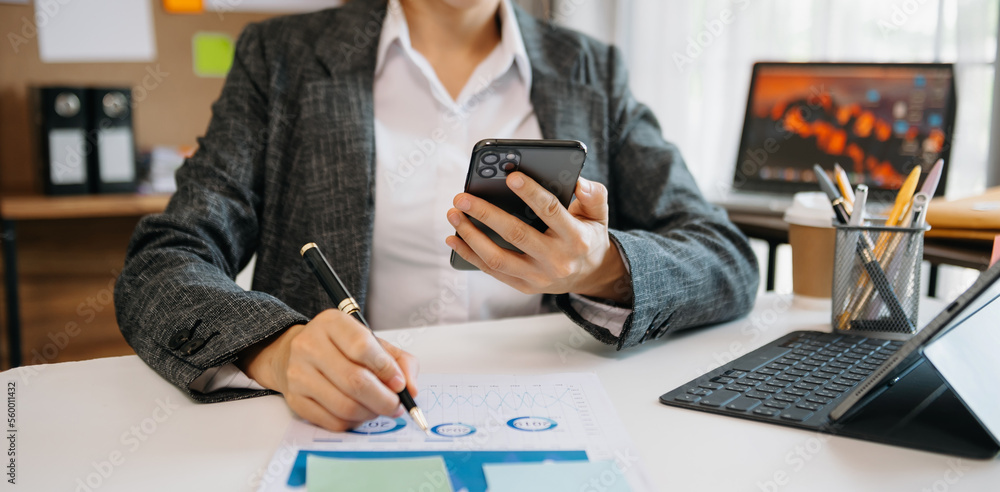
[395,29]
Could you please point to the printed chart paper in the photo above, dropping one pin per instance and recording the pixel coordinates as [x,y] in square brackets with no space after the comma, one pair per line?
[477,420]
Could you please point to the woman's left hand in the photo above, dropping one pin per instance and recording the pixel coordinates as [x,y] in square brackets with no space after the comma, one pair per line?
[574,255]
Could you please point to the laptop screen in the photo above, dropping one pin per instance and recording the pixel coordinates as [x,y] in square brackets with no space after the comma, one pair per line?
[876,120]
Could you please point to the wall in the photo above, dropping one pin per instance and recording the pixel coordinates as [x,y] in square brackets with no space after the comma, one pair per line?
[67,267]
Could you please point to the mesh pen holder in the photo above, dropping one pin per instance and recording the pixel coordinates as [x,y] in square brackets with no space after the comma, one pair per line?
[876,280]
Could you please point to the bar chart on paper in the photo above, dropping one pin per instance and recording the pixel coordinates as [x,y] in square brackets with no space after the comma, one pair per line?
[492,419]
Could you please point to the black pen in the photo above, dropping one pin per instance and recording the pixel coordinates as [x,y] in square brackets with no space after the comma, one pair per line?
[868,259]
[346,303]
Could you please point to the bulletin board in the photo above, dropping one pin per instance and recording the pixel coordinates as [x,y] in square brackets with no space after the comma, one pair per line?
[175,109]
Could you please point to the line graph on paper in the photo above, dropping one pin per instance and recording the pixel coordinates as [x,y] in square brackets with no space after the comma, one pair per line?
[485,412]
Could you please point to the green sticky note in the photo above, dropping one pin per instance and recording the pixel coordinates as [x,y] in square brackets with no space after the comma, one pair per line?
[388,475]
[212,54]
[559,476]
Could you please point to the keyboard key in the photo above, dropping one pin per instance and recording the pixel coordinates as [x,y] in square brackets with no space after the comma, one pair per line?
[743,404]
[838,365]
[766,412]
[844,382]
[860,372]
[758,358]
[787,378]
[793,356]
[786,398]
[766,371]
[748,382]
[853,377]
[760,395]
[837,387]
[722,380]
[814,380]
[867,366]
[802,352]
[779,383]
[797,372]
[758,377]
[739,388]
[806,386]
[719,398]
[780,405]
[711,386]
[788,362]
[818,400]
[795,392]
[796,414]
[767,388]
[809,406]
[699,391]
[821,374]
[733,373]
[687,398]
[777,367]
[826,393]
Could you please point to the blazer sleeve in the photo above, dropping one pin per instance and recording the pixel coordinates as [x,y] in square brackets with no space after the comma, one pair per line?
[690,266]
[176,301]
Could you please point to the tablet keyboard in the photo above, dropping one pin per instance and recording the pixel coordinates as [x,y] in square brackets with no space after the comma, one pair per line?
[793,379]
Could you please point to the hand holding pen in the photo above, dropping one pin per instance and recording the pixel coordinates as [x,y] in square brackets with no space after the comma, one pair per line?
[332,371]
[346,304]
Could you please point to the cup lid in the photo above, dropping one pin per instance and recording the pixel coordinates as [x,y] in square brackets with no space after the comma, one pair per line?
[810,208]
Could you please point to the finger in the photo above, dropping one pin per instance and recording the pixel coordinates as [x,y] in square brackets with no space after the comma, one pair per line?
[463,250]
[509,227]
[591,201]
[407,362]
[357,343]
[336,417]
[359,384]
[543,203]
[493,258]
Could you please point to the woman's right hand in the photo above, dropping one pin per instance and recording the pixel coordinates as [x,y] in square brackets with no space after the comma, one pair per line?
[332,371]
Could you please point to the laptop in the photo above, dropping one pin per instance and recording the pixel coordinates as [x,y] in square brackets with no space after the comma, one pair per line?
[877,120]
[935,392]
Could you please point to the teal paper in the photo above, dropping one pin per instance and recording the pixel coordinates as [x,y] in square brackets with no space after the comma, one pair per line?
[562,476]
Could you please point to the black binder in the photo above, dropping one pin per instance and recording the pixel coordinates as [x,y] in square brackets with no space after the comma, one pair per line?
[113,163]
[63,120]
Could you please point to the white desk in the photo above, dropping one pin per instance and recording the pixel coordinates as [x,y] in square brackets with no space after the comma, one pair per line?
[76,419]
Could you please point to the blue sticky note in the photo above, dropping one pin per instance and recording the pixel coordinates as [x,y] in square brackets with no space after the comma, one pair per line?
[562,476]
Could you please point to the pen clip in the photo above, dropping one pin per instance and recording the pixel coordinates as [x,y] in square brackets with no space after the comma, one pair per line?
[921,201]
[860,200]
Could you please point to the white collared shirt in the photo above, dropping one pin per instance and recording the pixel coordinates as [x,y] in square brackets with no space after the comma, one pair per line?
[423,143]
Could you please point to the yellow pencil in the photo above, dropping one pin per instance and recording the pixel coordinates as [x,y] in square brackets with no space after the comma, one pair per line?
[903,197]
[845,188]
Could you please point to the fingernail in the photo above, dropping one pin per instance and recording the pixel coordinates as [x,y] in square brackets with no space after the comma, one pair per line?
[399,412]
[397,384]
[585,186]
[463,205]
[516,182]
[454,219]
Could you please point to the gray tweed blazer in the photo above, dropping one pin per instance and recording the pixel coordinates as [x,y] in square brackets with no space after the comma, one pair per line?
[288,158]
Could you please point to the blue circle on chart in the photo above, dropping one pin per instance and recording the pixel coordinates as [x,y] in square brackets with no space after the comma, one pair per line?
[531,424]
[453,429]
[381,425]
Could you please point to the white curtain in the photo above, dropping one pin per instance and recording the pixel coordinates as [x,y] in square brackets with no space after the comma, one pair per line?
[690,61]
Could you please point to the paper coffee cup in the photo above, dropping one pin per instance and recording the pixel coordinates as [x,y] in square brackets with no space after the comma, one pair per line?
[812,237]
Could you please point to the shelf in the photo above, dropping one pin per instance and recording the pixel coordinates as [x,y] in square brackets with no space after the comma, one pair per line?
[42,207]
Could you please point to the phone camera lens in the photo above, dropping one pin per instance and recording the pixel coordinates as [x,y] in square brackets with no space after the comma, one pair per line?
[487,172]
[508,166]
[511,157]
[490,158]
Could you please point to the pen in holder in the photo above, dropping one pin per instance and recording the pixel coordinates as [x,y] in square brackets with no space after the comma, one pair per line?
[876,280]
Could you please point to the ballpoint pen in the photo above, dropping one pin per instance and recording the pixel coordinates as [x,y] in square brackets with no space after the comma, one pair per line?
[933,178]
[864,252]
[345,302]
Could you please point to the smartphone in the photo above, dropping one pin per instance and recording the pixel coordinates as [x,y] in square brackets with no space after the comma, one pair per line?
[555,164]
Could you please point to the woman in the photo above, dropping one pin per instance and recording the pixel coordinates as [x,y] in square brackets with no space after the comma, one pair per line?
[352,128]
